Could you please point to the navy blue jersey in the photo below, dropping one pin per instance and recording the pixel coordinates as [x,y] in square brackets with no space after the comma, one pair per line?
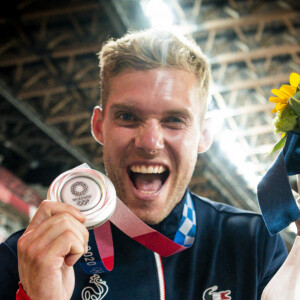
[233,257]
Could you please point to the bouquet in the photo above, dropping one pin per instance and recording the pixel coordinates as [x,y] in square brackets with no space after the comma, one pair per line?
[287,109]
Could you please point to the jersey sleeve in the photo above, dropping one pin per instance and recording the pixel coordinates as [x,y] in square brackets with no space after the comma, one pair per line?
[9,268]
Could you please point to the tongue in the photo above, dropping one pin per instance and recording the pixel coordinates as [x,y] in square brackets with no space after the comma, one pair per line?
[147,182]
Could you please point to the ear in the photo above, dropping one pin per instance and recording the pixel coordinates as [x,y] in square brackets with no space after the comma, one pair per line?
[207,135]
[96,126]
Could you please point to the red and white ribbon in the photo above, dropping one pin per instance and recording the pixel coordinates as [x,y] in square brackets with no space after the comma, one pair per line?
[78,187]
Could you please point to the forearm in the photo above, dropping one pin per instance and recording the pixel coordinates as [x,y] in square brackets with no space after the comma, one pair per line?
[286,282]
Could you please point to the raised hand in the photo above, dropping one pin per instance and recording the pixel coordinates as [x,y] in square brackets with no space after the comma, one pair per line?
[54,240]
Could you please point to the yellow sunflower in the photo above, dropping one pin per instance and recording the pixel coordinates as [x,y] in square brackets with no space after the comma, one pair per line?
[284,93]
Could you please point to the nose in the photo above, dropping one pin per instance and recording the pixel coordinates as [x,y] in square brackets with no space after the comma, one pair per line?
[150,137]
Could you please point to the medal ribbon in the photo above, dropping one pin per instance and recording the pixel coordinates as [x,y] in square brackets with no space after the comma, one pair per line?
[111,208]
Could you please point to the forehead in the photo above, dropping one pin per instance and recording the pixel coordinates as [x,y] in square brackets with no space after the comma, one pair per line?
[159,87]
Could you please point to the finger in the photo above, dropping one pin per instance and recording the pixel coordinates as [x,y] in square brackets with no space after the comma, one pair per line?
[50,230]
[49,208]
[47,275]
[66,248]
[52,259]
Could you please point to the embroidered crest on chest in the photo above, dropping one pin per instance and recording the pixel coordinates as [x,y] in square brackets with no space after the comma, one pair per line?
[97,291]
[212,294]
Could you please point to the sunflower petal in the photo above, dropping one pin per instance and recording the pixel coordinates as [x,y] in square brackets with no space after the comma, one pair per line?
[279,93]
[289,90]
[283,90]
[275,99]
[294,79]
[280,106]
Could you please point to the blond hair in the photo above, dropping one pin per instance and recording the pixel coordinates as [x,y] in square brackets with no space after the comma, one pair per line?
[150,49]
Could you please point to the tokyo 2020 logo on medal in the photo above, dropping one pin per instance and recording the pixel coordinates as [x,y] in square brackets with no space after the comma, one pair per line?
[79,188]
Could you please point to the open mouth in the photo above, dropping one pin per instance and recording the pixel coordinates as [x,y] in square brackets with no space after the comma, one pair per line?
[148,179]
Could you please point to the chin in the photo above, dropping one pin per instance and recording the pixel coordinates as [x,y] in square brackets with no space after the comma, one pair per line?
[151,221]
[150,218]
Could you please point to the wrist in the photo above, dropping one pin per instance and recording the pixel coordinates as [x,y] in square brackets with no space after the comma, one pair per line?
[21,294]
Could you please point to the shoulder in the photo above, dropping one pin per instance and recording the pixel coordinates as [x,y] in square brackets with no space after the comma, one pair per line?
[9,266]
[234,227]
[229,219]
[221,208]
[10,245]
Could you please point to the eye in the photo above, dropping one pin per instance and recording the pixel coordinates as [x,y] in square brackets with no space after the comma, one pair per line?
[174,122]
[127,119]
[126,116]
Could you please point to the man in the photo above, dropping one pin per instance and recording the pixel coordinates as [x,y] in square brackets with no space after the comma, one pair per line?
[154,89]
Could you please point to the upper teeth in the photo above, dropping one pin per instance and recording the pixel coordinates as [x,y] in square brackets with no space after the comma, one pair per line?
[147,169]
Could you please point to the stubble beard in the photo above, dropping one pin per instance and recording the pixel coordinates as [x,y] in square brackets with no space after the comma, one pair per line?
[145,210]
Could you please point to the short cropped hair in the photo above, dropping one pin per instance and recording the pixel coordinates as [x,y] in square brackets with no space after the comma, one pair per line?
[150,49]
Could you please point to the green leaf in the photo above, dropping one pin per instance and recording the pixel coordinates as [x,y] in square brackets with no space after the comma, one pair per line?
[297,95]
[285,120]
[278,146]
[294,103]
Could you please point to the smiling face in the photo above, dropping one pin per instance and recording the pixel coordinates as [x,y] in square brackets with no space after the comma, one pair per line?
[150,131]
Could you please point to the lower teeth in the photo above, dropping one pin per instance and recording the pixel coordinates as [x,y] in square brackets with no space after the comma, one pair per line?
[148,192]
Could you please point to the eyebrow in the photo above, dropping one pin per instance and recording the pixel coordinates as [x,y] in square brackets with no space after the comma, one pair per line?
[123,106]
